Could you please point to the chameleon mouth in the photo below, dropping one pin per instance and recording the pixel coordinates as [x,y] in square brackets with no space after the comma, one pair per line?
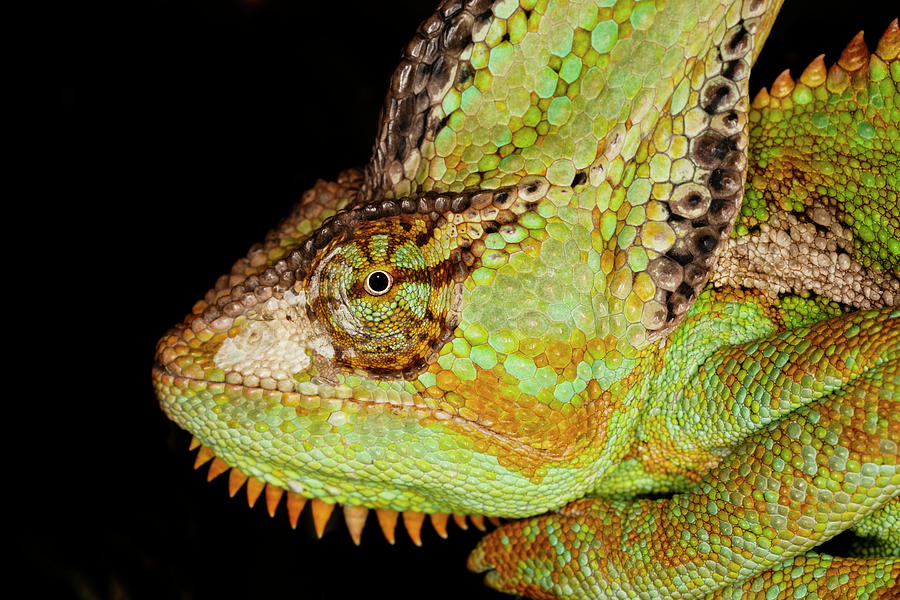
[162,373]
[167,371]
[355,517]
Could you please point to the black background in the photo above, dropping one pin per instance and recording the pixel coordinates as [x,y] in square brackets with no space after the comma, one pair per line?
[177,134]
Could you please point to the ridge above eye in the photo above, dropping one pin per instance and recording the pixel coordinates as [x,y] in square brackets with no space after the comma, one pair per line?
[378,283]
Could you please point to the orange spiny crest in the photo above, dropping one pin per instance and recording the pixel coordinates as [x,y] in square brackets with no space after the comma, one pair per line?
[203,456]
[783,85]
[478,522]
[856,55]
[815,73]
[254,489]
[761,100]
[439,522]
[321,511]
[273,497]
[387,519]
[216,468]
[889,44]
[354,516]
[837,78]
[412,521]
[236,479]
[295,504]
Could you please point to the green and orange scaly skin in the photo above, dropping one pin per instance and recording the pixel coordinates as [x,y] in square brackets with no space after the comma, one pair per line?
[586,284]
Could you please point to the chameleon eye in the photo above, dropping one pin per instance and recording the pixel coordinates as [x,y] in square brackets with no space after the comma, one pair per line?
[347,291]
[378,283]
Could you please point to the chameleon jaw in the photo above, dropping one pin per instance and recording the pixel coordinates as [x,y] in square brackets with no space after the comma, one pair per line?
[341,403]
[295,501]
[355,516]
[189,386]
[182,384]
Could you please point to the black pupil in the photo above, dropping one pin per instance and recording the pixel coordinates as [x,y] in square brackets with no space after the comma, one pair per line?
[378,281]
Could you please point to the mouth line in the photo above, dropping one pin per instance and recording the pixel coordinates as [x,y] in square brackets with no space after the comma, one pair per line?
[160,371]
[419,411]
[321,509]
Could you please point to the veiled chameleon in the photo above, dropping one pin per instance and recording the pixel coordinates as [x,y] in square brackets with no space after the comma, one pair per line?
[551,293]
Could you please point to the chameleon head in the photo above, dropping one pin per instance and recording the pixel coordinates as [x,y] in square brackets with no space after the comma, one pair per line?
[400,354]
[462,329]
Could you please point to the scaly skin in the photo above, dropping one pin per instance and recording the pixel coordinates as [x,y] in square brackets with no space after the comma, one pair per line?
[551,294]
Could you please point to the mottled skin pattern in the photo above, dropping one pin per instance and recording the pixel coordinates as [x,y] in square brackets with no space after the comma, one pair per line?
[586,284]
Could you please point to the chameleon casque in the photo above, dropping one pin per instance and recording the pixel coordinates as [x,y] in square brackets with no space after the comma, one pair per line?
[588,285]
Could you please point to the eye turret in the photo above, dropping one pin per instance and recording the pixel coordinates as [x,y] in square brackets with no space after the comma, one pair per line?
[386,295]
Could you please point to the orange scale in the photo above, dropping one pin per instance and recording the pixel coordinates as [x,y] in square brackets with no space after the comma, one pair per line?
[559,354]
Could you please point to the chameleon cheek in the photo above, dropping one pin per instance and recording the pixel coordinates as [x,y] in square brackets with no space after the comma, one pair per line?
[271,345]
[509,407]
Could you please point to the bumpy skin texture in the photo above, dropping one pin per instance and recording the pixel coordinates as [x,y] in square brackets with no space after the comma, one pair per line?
[584,278]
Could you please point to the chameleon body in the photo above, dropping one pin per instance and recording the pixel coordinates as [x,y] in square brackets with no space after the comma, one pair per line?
[587,285]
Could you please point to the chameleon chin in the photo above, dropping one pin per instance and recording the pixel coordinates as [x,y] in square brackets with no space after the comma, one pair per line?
[590,290]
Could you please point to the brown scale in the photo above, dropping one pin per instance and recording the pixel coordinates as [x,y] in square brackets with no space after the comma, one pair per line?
[429,66]
[801,251]
[251,281]
[702,212]
[280,276]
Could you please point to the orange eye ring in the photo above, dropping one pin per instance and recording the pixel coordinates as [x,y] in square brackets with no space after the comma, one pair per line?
[378,283]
